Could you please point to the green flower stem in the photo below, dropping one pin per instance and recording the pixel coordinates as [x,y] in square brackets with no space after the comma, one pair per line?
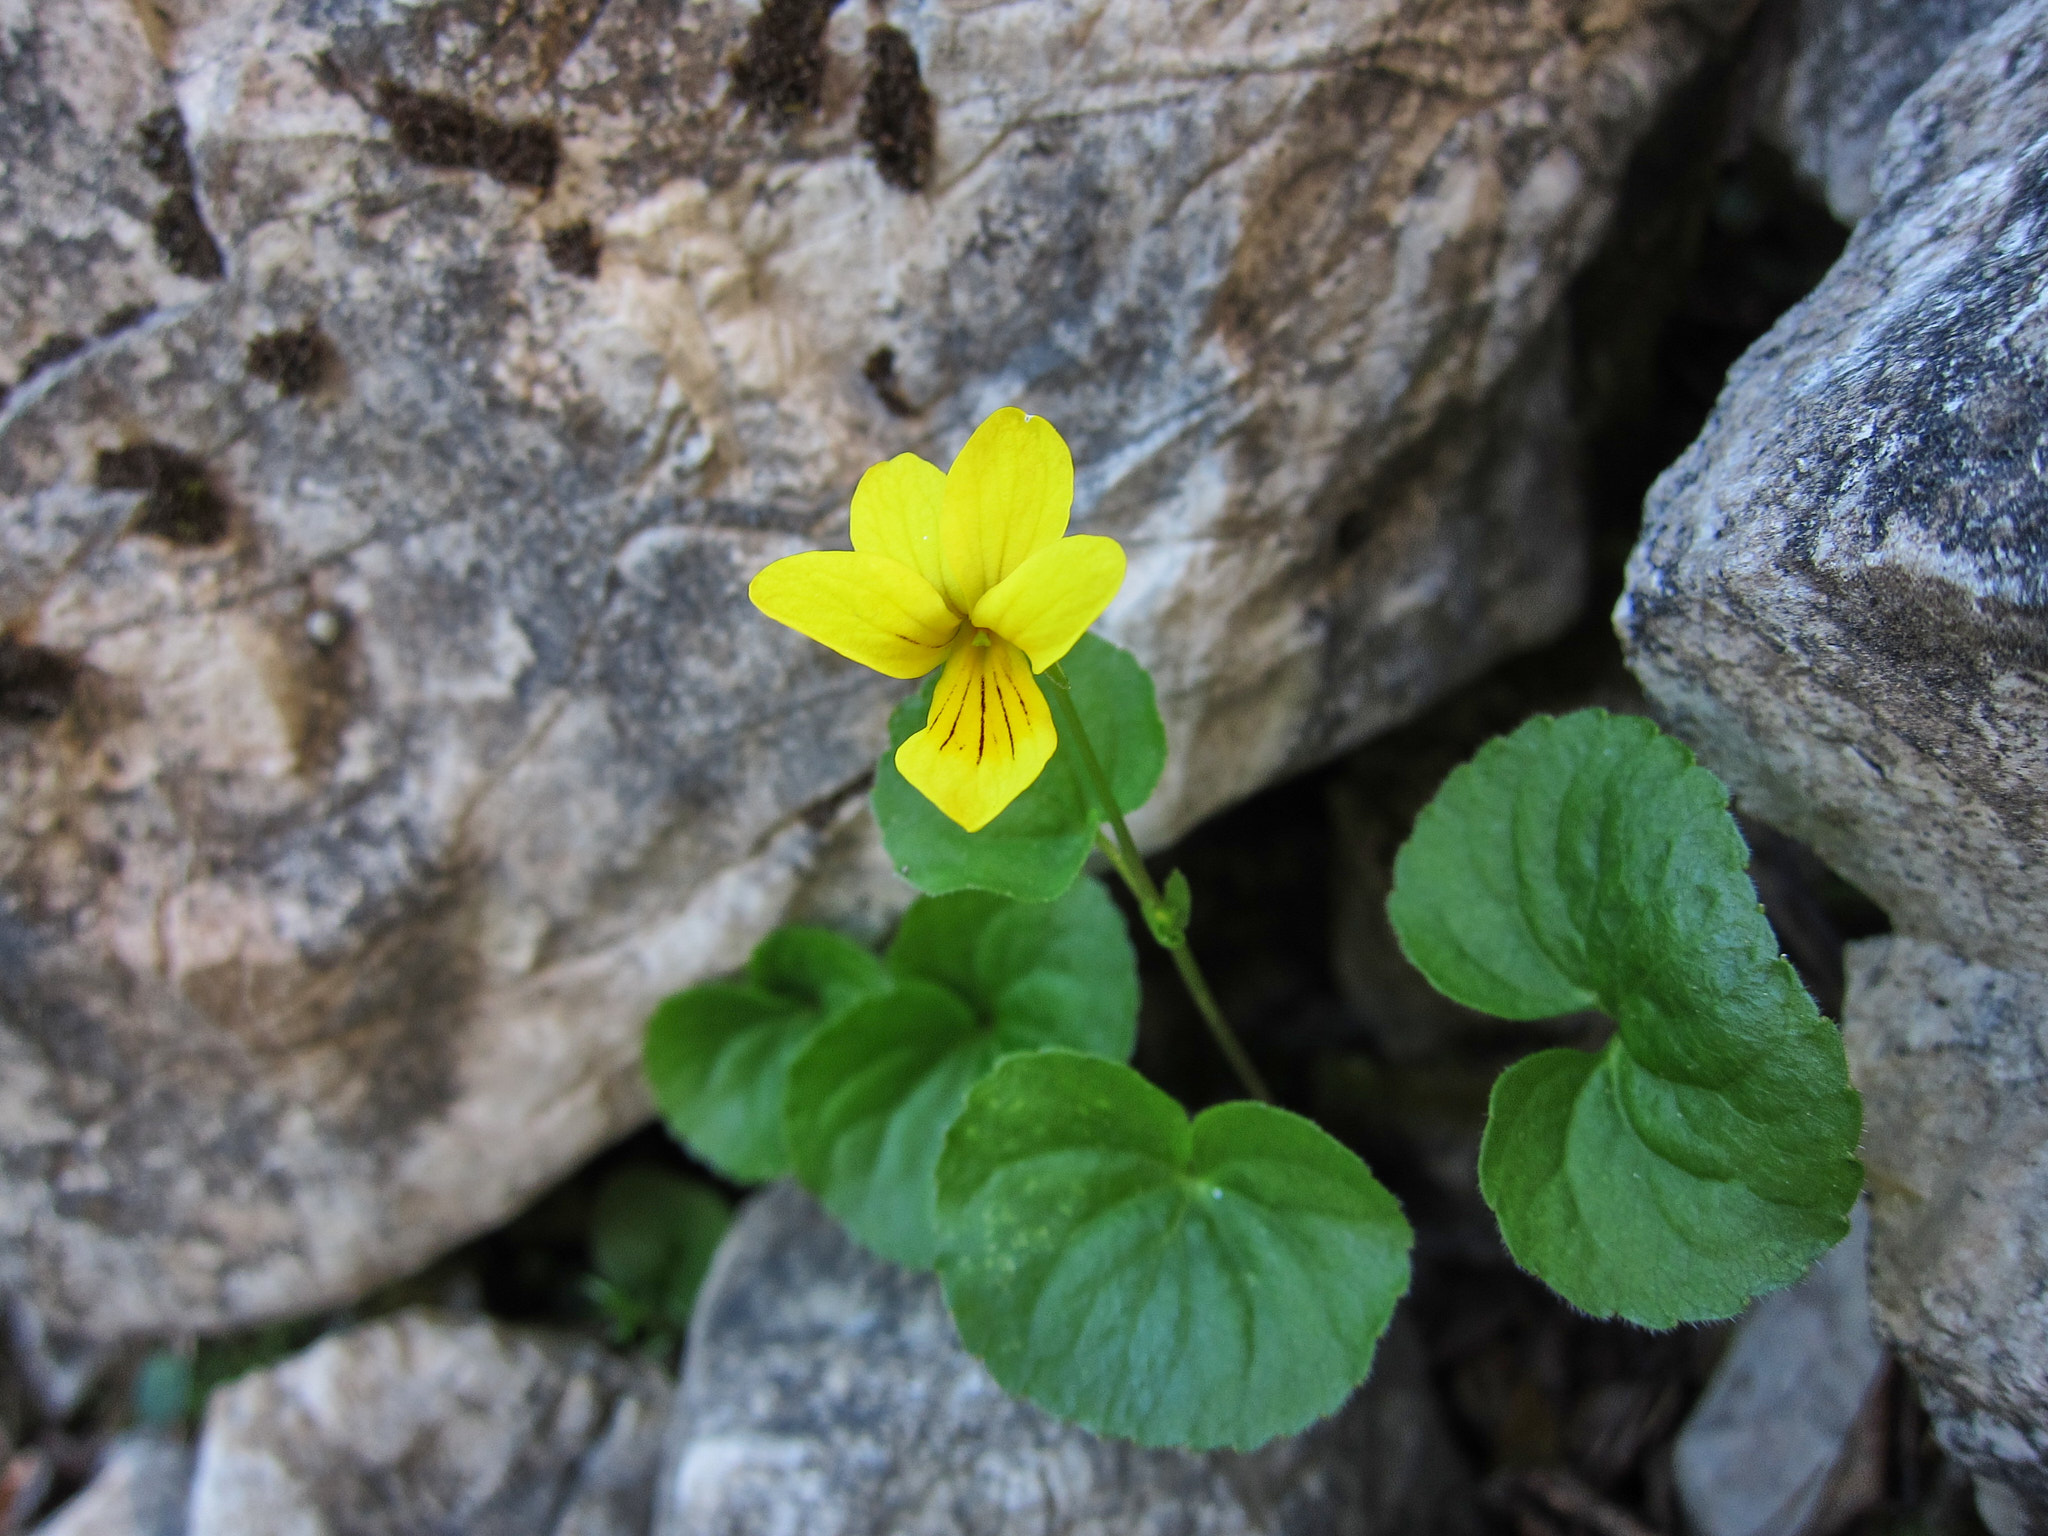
[1124,857]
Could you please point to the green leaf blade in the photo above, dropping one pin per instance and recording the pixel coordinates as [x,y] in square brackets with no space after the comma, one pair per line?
[817,967]
[869,1101]
[1708,1154]
[1205,1284]
[1580,1205]
[717,1056]
[652,1237]
[1061,972]
[978,977]
[1036,847]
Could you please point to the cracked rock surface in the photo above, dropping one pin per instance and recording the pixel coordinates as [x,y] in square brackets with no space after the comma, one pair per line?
[1840,599]
[383,726]
[1831,73]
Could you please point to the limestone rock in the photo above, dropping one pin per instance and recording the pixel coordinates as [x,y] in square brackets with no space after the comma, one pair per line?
[383,726]
[825,1390]
[1832,72]
[139,1490]
[96,206]
[1772,1448]
[1952,1061]
[1838,598]
[433,1428]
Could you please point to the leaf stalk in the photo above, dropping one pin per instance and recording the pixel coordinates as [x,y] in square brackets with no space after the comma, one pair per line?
[1160,917]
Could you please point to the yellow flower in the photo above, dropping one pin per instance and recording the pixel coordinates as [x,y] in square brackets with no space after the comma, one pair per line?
[967,569]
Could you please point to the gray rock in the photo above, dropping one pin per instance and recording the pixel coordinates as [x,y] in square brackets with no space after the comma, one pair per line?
[433,1427]
[1771,1448]
[1830,73]
[139,1490]
[383,726]
[80,203]
[825,1391]
[1838,598]
[1952,1061]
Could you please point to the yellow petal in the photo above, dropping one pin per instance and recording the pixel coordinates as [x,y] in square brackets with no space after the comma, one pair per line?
[1049,601]
[1007,497]
[896,513]
[988,736]
[868,608]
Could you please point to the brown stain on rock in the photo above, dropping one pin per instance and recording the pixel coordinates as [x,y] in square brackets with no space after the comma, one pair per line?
[318,682]
[880,372]
[896,117]
[115,321]
[180,504]
[36,683]
[163,149]
[574,249]
[441,131]
[182,238]
[782,67]
[49,352]
[297,361]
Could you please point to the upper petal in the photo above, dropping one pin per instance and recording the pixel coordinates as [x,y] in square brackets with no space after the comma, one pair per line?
[896,513]
[874,610]
[1049,601]
[988,736]
[1007,497]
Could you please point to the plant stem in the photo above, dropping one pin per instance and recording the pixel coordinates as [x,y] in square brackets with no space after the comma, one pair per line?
[1124,857]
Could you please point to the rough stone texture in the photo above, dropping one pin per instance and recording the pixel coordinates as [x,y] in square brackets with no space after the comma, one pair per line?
[379,739]
[78,204]
[1773,1448]
[1839,601]
[434,1428]
[139,1490]
[1838,596]
[1830,73]
[1952,1061]
[825,1392]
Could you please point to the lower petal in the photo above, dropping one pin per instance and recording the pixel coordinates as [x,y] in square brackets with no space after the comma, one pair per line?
[988,736]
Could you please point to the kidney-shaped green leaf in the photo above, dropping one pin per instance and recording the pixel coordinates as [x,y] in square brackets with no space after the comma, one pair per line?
[652,1237]
[1205,1284]
[1708,1153]
[1033,850]
[978,977]
[717,1056]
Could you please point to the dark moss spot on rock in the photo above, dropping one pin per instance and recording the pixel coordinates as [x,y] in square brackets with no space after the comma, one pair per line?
[164,154]
[36,683]
[180,503]
[880,371]
[523,154]
[782,66]
[49,352]
[182,238]
[896,111]
[434,130]
[115,321]
[574,249]
[297,361]
[184,241]
[442,131]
